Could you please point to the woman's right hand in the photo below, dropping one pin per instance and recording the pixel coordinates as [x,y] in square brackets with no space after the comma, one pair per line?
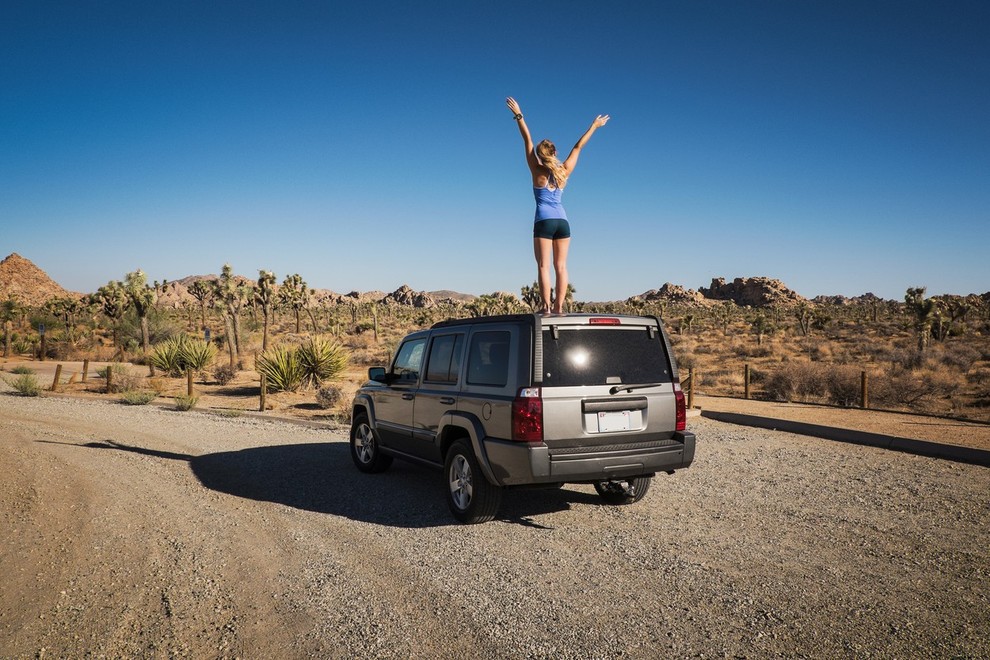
[513,105]
[600,121]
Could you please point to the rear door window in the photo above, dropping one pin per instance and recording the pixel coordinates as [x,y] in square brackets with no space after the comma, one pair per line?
[603,356]
[444,362]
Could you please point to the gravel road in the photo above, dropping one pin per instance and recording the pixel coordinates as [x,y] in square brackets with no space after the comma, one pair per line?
[142,531]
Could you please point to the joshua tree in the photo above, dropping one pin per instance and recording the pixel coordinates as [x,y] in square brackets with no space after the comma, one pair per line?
[143,298]
[804,314]
[293,294]
[923,311]
[203,291]
[114,301]
[231,295]
[264,296]
[724,314]
[9,310]
[761,326]
[531,296]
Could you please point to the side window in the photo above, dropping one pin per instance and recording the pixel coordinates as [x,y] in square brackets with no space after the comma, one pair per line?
[488,359]
[409,360]
[444,362]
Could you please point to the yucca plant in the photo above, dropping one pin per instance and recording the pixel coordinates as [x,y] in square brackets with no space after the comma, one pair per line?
[281,368]
[196,354]
[167,355]
[321,359]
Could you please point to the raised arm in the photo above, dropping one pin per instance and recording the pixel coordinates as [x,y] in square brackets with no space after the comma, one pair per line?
[572,157]
[523,130]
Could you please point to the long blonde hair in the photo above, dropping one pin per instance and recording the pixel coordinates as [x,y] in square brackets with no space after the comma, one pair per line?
[546,153]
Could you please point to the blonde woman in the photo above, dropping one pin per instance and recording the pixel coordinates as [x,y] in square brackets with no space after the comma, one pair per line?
[551,231]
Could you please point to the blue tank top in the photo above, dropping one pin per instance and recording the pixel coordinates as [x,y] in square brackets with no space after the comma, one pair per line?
[548,204]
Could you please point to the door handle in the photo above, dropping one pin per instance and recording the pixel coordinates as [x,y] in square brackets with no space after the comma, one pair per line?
[408,397]
[447,400]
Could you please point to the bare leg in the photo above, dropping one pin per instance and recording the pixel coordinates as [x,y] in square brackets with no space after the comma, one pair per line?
[560,247]
[542,248]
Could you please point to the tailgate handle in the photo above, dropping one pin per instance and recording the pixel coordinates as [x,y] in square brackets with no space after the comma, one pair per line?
[408,397]
[612,405]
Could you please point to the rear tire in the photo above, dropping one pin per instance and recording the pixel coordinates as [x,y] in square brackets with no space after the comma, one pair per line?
[470,496]
[365,450]
[623,491]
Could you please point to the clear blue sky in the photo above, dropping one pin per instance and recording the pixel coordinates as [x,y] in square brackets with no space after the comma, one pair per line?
[842,147]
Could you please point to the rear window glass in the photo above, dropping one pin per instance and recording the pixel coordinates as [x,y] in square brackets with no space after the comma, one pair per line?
[599,356]
[488,359]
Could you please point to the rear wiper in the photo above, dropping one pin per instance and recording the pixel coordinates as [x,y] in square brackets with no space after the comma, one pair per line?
[629,388]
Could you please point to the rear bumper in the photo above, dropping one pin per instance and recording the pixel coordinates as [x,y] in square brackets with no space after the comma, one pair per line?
[516,464]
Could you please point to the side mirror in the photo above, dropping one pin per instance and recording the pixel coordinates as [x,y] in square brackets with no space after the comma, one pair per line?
[377,374]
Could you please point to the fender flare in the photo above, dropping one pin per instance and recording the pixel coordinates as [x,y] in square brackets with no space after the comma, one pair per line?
[475,432]
[366,403]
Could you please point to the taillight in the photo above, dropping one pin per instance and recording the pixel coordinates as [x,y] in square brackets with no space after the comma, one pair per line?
[681,408]
[527,415]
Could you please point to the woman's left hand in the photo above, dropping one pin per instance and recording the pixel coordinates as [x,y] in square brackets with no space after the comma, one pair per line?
[513,106]
[600,121]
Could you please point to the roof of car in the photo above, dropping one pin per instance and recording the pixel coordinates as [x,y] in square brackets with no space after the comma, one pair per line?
[550,319]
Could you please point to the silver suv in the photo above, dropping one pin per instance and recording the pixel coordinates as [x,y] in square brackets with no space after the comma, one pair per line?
[528,400]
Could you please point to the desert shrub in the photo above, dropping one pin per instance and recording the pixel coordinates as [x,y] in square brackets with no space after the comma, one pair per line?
[21,369]
[796,381]
[329,396]
[117,368]
[281,368]
[844,385]
[135,398]
[321,359]
[224,374]
[178,354]
[185,403]
[960,356]
[157,385]
[125,382]
[26,385]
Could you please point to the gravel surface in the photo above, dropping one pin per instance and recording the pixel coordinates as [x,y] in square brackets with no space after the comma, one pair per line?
[142,531]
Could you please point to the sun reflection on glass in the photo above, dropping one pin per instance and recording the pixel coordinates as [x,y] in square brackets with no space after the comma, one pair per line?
[578,357]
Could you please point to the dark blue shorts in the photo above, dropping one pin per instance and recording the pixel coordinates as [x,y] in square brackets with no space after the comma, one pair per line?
[552,228]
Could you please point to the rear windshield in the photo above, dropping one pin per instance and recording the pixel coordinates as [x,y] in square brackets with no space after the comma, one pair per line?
[603,356]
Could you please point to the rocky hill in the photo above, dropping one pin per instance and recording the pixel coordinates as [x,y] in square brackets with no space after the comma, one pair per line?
[672,293]
[29,285]
[752,292]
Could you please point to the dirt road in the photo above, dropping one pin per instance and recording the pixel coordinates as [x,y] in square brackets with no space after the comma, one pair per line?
[138,531]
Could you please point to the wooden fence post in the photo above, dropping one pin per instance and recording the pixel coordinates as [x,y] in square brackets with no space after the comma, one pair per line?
[109,377]
[58,376]
[746,381]
[864,390]
[85,372]
[690,401]
[189,383]
[44,348]
[264,392]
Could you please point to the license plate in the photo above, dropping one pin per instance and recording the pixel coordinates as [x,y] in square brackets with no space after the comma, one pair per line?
[613,421]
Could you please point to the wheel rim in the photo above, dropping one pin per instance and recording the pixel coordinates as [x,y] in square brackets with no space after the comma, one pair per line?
[364,443]
[460,482]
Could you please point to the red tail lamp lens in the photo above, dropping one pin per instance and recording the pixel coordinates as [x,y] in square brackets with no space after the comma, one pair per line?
[527,415]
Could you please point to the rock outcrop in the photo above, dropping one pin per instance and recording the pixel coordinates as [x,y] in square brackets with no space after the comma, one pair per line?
[751,292]
[671,293]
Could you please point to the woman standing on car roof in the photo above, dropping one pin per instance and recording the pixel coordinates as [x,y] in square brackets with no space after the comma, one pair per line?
[551,231]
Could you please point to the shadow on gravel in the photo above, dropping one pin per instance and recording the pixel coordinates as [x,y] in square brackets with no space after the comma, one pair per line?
[320,477]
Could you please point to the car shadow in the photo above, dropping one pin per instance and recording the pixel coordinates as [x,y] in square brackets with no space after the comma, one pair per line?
[321,477]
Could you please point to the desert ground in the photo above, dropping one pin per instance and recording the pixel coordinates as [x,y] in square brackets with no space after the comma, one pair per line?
[143,531]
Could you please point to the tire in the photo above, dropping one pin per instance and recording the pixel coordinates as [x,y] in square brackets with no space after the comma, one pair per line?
[470,496]
[365,450]
[623,491]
